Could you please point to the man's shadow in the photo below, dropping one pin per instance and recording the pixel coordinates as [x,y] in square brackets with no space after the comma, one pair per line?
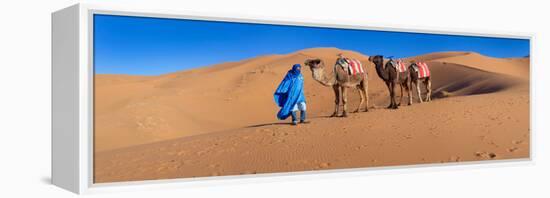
[269,124]
[281,123]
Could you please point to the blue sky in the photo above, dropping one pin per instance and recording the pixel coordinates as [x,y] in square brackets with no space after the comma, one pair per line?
[153,46]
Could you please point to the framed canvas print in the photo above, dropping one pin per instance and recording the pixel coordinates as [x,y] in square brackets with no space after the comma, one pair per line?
[141,96]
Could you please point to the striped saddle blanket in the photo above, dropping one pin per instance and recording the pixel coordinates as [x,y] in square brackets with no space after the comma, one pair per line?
[422,69]
[354,66]
[399,65]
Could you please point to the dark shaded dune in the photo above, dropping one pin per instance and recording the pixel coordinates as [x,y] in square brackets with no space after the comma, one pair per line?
[517,69]
[458,80]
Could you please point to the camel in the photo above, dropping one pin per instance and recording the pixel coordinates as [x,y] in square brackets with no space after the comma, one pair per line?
[415,79]
[340,81]
[389,74]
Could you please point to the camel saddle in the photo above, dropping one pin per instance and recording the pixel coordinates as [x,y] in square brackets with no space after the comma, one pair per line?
[422,69]
[398,65]
[352,66]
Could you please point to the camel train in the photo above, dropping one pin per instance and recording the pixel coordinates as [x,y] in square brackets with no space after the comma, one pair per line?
[350,73]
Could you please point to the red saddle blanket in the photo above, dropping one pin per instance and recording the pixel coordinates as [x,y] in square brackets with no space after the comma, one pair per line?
[423,70]
[401,66]
[355,66]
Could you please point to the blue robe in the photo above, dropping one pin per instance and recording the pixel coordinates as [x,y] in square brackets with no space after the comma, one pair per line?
[290,92]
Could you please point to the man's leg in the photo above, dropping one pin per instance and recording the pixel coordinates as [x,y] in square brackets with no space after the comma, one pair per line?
[302,116]
[302,107]
[293,114]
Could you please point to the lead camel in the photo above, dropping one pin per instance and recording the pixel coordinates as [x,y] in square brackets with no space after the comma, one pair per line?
[340,81]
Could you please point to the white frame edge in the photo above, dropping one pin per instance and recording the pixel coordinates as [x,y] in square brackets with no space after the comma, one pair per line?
[72,101]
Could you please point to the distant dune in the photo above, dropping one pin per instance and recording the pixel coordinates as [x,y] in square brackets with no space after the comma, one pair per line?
[220,120]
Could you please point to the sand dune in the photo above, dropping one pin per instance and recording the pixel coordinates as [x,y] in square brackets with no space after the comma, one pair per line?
[467,129]
[461,80]
[220,120]
[519,69]
[145,110]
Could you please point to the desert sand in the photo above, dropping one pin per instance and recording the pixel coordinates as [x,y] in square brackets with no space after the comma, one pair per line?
[220,119]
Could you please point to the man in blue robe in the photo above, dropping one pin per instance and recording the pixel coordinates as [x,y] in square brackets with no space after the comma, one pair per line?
[289,96]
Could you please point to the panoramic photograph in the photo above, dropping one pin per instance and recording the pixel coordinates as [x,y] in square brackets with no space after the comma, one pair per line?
[179,98]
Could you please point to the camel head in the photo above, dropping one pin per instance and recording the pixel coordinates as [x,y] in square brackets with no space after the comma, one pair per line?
[377,60]
[314,63]
[317,70]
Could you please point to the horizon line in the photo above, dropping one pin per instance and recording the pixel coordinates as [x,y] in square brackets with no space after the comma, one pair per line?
[296,52]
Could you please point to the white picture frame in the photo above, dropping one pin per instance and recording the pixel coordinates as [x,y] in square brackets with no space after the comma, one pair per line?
[72,100]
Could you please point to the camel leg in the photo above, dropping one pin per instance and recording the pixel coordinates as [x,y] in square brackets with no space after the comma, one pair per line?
[366,92]
[413,86]
[362,98]
[389,90]
[393,103]
[401,98]
[344,101]
[336,100]
[428,83]
[418,91]
[409,94]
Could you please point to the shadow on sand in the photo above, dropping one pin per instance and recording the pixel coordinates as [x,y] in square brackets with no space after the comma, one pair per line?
[269,124]
[283,123]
